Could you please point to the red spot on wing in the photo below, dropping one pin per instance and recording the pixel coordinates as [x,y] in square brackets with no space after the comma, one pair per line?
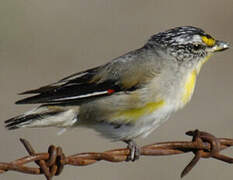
[110,91]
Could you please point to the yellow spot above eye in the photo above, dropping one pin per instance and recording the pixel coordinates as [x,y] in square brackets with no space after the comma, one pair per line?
[208,41]
[132,115]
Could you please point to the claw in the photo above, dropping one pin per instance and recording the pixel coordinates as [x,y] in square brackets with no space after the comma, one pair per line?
[134,150]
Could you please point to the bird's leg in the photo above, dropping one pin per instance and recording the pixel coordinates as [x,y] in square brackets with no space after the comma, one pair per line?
[134,150]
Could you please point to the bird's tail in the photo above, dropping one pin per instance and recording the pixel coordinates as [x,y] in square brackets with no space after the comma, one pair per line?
[44,116]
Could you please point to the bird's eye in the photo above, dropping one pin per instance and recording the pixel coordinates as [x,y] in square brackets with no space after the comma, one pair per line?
[197,47]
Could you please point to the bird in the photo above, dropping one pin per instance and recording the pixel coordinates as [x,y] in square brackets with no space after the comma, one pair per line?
[129,96]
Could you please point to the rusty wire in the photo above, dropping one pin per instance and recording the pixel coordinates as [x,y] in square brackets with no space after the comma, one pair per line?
[203,145]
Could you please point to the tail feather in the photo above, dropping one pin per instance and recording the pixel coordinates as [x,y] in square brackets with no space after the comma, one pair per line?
[22,120]
[43,118]
[16,122]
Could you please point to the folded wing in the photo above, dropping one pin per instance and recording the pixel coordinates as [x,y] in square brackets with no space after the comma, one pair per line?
[125,73]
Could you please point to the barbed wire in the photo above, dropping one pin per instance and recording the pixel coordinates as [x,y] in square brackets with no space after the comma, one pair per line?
[51,163]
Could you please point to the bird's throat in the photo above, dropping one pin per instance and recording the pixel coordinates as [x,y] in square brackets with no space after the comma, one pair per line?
[191,81]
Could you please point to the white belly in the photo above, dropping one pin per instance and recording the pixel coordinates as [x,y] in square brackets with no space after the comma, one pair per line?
[143,127]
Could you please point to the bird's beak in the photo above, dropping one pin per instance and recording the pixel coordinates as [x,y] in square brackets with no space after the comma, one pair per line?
[219,46]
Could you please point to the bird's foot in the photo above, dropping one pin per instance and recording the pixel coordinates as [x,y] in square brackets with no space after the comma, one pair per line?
[134,150]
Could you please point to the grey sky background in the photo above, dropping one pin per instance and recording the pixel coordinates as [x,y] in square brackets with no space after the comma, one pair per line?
[44,41]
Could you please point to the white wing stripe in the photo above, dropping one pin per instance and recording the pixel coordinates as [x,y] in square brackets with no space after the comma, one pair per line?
[81,96]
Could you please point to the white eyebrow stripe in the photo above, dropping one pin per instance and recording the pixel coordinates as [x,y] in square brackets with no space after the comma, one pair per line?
[183,39]
[82,96]
[197,38]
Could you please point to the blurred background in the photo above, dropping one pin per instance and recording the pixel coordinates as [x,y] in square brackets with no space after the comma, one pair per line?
[44,41]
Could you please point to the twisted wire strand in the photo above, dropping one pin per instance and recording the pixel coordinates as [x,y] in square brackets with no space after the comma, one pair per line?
[51,163]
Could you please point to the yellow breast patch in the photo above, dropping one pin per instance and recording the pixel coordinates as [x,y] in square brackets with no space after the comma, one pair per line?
[189,86]
[132,115]
[191,80]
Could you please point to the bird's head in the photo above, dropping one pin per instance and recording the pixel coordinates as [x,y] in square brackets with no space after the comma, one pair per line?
[187,44]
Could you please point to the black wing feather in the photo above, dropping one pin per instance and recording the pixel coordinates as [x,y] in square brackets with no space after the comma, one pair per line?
[66,93]
[76,88]
[65,81]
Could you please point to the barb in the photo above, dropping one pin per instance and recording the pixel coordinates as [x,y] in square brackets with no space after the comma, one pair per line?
[203,145]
